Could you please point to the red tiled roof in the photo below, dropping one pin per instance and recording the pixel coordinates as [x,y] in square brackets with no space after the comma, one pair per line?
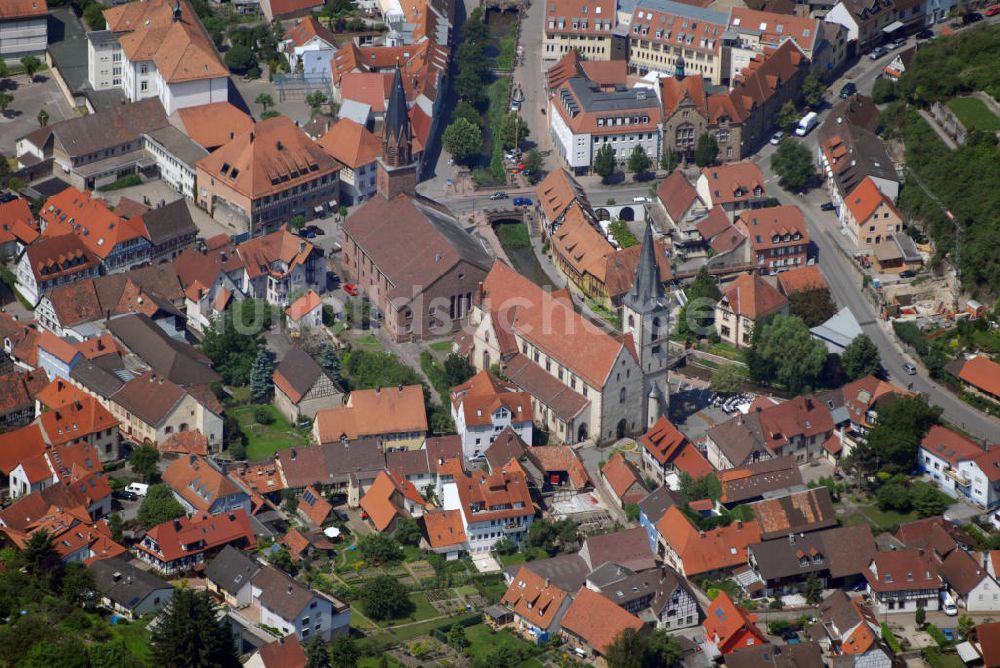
[20,445]
[19,389]
[198,482]
[801,279]
[766,228]
[314,506]
[560,458]
[484,394]
[983,373]
[17,222]
[382,502]
[76,420]
[200,533]
[444,528]
[303,306]
[533,598]
[865,199]
[663,440]
[212,125]
[185,443]
[597,620]
[351,143]
[721,548]
[733,182]
[726,622]
[753,297]
[621,474]
[903,570]
[949,445]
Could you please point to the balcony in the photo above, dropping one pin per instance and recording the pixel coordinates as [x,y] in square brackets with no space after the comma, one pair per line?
[959,479]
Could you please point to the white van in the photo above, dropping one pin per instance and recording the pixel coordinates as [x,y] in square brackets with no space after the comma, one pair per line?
[948,604]
[137,488]
[808,122]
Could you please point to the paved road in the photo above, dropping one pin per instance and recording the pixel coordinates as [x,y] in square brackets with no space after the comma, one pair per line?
[845,282]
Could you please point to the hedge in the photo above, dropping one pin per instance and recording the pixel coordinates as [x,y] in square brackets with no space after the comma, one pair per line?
[890,639]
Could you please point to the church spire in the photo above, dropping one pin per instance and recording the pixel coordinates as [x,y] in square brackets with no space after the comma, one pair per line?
[647,289]
[396,144]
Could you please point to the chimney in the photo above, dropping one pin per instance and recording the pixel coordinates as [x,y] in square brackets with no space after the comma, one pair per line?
[378,390]
[290,590]
[548,581]
[251,136]
[791,539]
[302,246]
[193,461]
[293,454]
[177,525]
[739,525]
[701,534]
[116,576]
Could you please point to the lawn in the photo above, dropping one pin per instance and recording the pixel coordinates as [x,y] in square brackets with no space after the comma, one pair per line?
[423,611]
[512,559]
[513,235]
[264,440]
[887,519]
[482,639]
[974,114]
[442,346]
[727,350]
[367,342]
[135,637]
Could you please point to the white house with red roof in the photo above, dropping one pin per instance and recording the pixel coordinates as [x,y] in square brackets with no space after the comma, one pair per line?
[667,453]
[493,506]
[483,407]
[305,313]
[945,457]
[277,264]
[735,187]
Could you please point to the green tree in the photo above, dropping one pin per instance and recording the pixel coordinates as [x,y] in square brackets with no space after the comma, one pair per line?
[39,556]
[4,71]
[379,548]
[190,634]
[117,527]
[407,531]
[6,99]
[77,584]
[144,461]
[456,637]
[261,381]
[317,653]
[329,359]
[707,487]
[265,101]
[291,501]
[533,164]
[815,306]
[457,370]
[93,14]
[928,500]
[698,314]
[920,617]
[813,89]
[638,162]
[783,351]
[282,560]
[344,653]
[631,649]
[902,424]
[813,590]
[463,140]
[465,109]
[65,652]
[298,222]
[861,358]
[112,655]
[883,91]
[669,160]
[384,597]
[159,506]
[605,162]
[706,151]
[788,116]
[239,59]
[316,100]
[513,130]
[893,494]
[632,511]
[43,118]
[793,163]
[728,379]
[31,65]
[965,626]
[231,340]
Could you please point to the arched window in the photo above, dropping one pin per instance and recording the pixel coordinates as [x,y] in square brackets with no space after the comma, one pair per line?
[622,395]
[631,321]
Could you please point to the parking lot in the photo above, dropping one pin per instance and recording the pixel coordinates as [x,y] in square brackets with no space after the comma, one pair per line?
[21,116]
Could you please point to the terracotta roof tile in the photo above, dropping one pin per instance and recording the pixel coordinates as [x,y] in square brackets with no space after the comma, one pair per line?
[12,9]
[198,482]
[766,228]
[753,297]
[351,143]
[534,599]
[865,199]
[389,410]
[215,124]
[303,306]
[444,528]
[186,537]
[950,446]
[557,192]
[314,506]
[622,475]
[75,420]
[557,458]
[733,182]
[484,394]
[726,621]
[801,279]
[597,620]
[983,373]
[383,502]
[721,548]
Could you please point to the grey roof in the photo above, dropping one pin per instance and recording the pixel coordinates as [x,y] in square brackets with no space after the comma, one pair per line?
[607,574]
[796,512]
[907,247]
[169,222]
[647,291]
[801,655]
[740,438]
[131,586]
[498,611]
[299,370]
[594,100]
[178,145]
[359,112]
[177,361]
[507,446]
[843,551]
[408,462]
[100,376]
[838,332]
[657,502]
[868,156]
[331,464]
[629,547]
[397,120]
[765,477]
[689,11]
[231,569]
[106,129]
[567,571]
[283,595]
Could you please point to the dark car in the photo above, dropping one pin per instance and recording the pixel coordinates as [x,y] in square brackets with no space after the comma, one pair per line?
[126,495]
[827,206]
[972,17]
[849,89]
[306,233]
[926,33]
[906,274]
[522,201]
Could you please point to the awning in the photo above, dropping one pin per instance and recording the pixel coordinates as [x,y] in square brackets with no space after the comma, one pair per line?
[892,27]
[966,652]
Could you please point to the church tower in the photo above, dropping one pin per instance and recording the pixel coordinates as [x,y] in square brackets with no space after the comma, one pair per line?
[397,173]
[646,317]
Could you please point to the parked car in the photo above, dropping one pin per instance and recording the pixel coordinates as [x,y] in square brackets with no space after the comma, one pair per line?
[138,488]
[972,17]
[777,137]
[126,495]
[351,289]
[877,52]
[992,10]
[926,33]
[498,195]
[910,369]
[906,273]
[848,89]
[306,233]
[522,201]
[898,42]
[827,206]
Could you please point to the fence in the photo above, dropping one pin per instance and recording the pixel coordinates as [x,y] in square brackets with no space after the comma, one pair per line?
[949,122]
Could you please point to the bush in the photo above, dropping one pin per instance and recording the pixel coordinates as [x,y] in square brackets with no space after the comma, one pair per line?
[123,182]
[935,632]
[263,415]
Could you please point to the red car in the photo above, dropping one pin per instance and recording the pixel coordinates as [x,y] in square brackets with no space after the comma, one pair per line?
[993,10]
[351,289]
